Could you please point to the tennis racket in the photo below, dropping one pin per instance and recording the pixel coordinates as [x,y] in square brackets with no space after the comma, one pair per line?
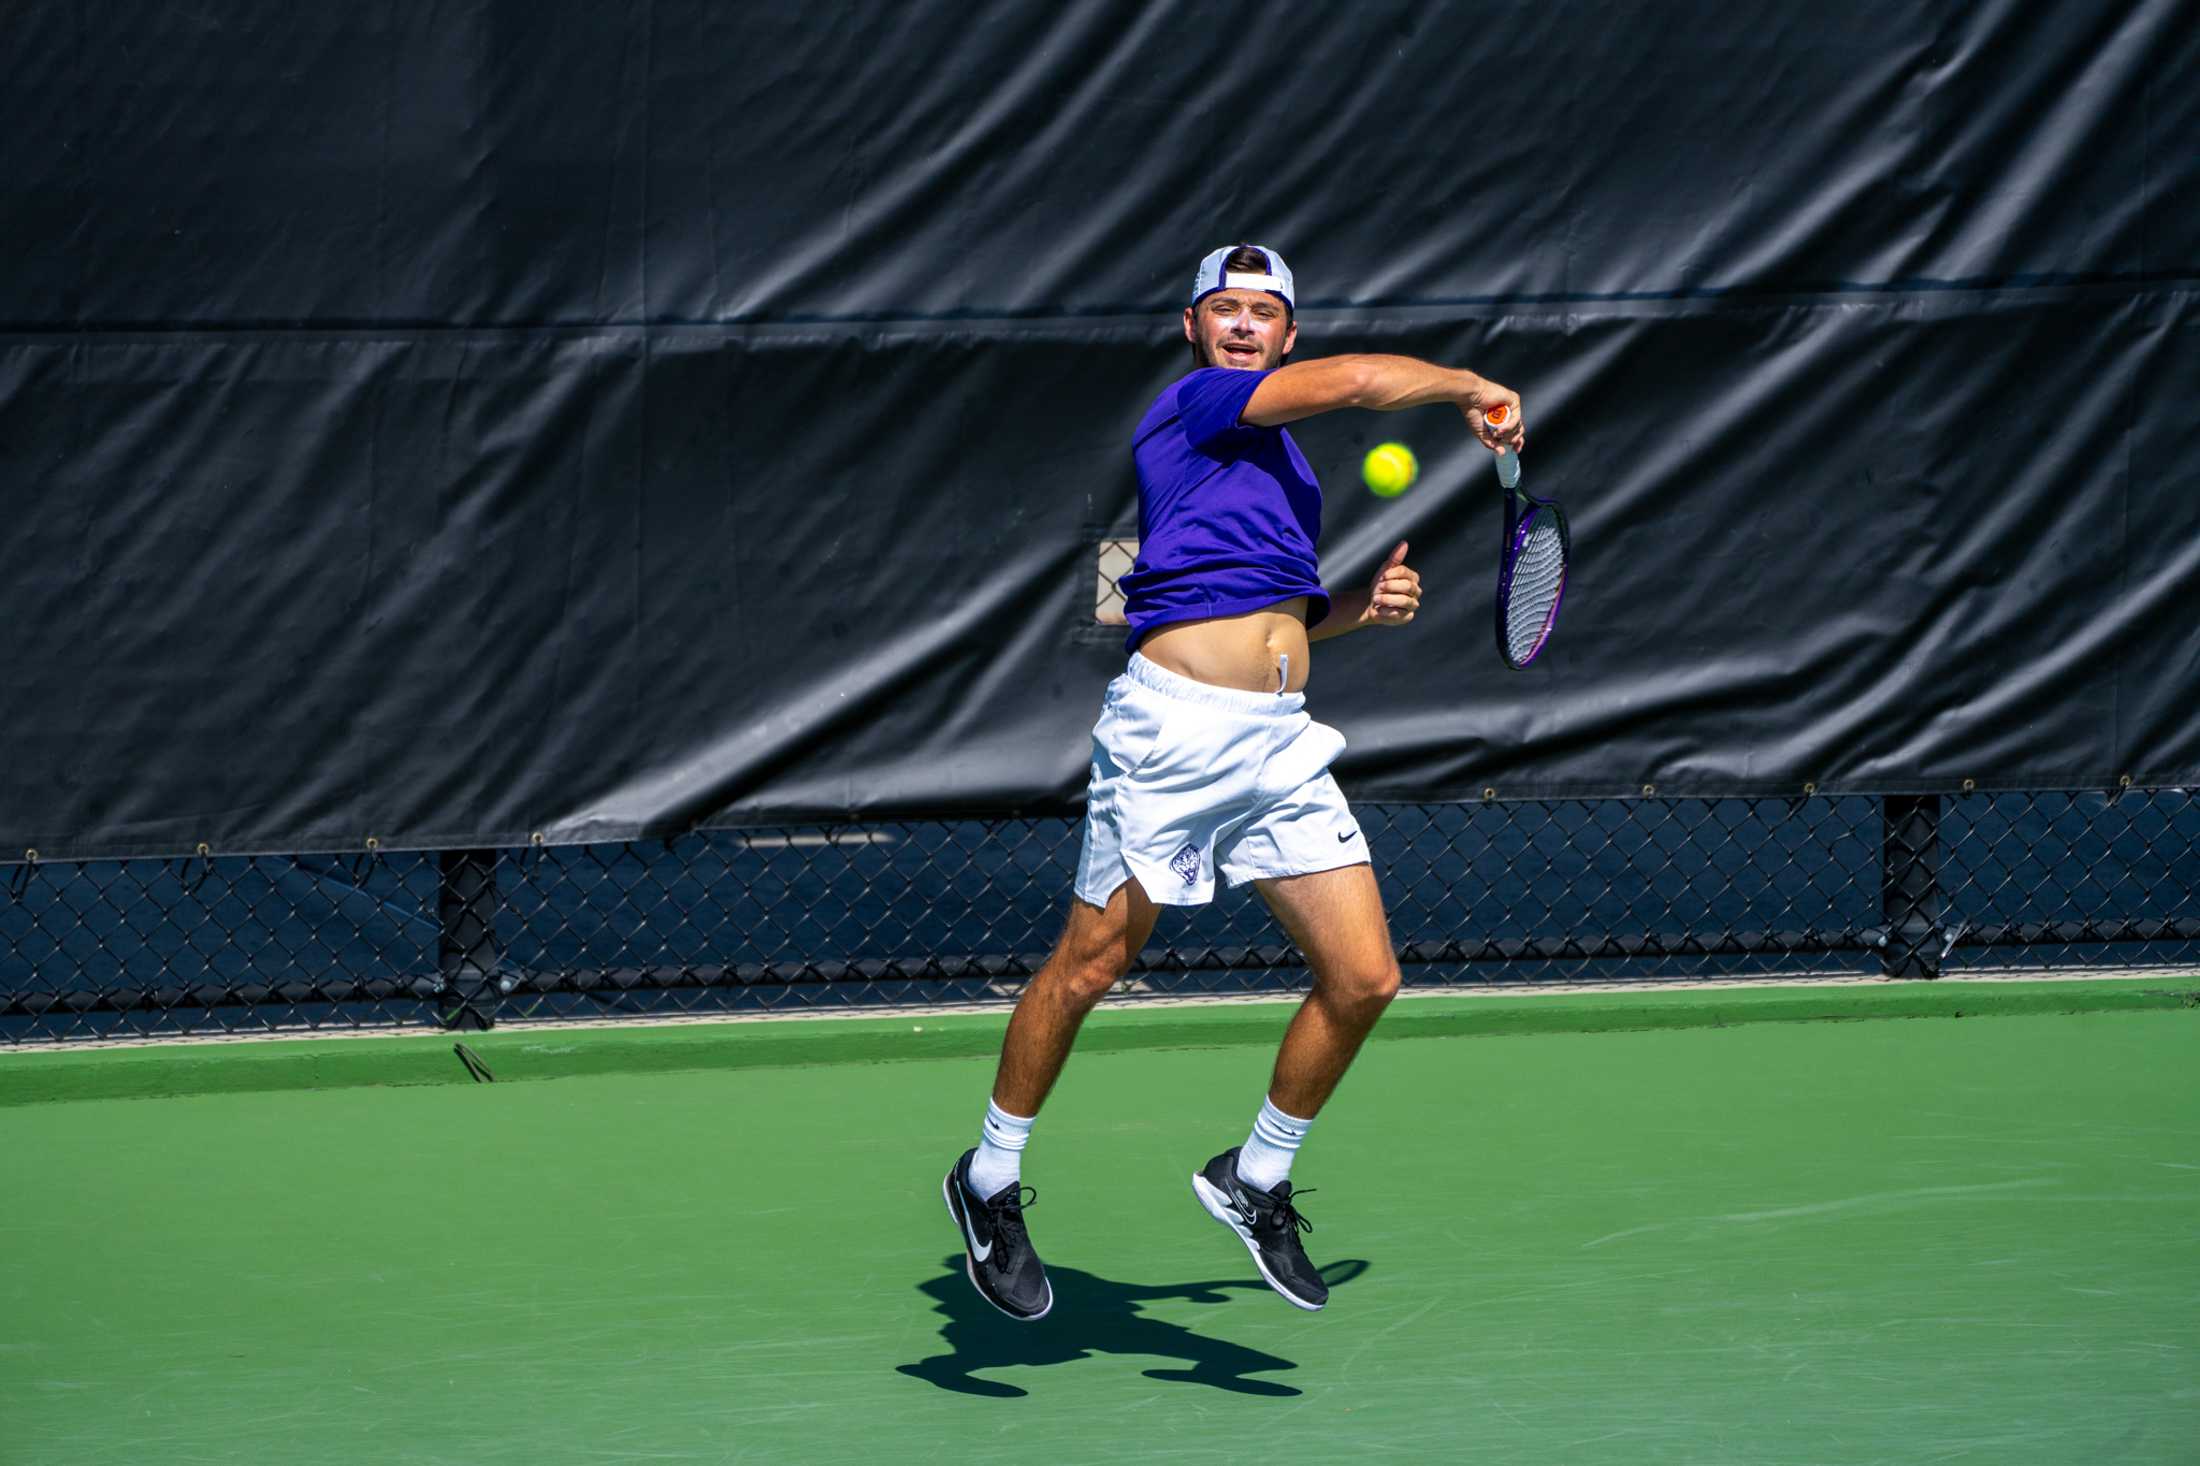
[1531,566]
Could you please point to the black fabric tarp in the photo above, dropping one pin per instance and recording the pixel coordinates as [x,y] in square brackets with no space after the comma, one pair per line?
[457,424]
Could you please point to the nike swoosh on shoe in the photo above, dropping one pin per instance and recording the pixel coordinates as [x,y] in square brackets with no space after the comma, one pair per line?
[978,1250]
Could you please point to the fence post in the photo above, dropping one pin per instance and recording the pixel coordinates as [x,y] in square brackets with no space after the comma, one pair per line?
[1909,885]
[466,943]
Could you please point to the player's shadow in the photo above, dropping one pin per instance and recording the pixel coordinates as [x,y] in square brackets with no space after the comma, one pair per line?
[1093,1315]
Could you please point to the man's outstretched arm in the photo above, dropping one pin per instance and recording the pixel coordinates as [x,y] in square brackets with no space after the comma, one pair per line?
[1381,384]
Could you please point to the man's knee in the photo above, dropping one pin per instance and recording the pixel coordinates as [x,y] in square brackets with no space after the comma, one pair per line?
[1092,956]
[1091,978]
[1365,988]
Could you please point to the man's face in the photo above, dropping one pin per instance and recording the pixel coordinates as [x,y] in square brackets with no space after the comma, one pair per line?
[1246,329]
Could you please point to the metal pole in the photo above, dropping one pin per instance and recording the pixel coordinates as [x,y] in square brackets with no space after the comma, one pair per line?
[466,946]
[1909,885]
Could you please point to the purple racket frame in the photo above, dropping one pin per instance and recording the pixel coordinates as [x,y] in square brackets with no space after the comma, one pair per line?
[1521,511]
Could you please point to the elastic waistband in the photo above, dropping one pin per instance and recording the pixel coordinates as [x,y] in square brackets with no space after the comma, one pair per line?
[1157,678]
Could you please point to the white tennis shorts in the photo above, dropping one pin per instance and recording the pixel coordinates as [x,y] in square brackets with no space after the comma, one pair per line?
[1189,779]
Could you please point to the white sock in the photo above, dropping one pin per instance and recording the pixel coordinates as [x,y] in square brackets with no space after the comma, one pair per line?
[1266,1156]
[1000,1158]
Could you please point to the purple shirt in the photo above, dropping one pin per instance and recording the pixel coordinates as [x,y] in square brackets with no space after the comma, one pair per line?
[1228,514]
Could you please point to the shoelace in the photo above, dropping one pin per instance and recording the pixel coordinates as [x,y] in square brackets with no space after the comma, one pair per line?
[1007,1212]
[1280,1215]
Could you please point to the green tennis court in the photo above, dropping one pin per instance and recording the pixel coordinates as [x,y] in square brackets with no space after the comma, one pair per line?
[1629,1228]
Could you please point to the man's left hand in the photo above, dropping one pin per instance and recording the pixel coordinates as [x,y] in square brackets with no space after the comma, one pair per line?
[1396,594]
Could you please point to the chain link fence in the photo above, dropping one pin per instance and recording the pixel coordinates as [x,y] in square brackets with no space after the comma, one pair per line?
[1641,890]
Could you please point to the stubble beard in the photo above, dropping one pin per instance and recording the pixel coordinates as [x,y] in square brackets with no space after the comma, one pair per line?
[1267,360]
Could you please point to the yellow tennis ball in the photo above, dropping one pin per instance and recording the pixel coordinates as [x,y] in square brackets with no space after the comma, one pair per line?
[1390,469]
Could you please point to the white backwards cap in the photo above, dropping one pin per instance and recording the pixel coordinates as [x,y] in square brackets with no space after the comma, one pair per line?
[1276,281]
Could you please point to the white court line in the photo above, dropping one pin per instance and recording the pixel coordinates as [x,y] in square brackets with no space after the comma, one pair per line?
[1129,991]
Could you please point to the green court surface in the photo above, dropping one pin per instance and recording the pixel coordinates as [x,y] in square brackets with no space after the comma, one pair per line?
[1626,1229]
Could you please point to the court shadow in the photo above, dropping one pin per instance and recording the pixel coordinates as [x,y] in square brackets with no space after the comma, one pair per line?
[1095,1315]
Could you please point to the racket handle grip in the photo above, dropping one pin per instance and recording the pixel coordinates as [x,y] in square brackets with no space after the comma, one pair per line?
[1508,462]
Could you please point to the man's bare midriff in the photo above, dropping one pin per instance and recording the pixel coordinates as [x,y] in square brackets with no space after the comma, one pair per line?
[1236,651]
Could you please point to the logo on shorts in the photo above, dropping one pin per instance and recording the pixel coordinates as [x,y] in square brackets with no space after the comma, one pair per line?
[1186,864]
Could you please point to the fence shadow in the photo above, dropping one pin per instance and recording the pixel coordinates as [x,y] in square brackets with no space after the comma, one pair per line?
[1095,1315]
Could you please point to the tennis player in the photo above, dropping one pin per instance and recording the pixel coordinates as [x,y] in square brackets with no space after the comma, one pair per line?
[1205,762]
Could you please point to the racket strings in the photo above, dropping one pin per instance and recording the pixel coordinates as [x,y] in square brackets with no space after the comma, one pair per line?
[1538,577]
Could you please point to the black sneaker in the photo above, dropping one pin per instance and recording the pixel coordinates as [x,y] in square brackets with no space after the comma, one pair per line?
[1268,1224]
[997,1252]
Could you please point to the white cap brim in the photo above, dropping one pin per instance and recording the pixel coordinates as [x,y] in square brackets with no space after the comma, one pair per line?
[1213,277]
